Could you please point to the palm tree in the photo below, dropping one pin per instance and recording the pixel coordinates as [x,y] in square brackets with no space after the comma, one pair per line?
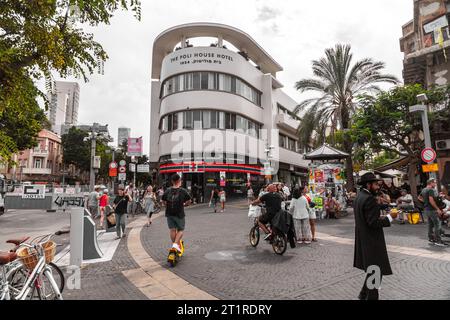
[338,84]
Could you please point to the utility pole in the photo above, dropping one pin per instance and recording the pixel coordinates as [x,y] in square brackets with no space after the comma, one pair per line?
[93,147]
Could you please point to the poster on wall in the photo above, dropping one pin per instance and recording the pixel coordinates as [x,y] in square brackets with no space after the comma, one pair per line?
[319,176]
[337,175]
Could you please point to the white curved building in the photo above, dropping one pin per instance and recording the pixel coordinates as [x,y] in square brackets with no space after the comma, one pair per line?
[216,109]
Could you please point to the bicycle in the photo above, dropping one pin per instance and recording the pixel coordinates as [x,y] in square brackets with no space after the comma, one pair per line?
[18,273]
[278,241]
[39,280]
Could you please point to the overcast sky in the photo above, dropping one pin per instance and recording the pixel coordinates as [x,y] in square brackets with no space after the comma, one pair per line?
[292,32]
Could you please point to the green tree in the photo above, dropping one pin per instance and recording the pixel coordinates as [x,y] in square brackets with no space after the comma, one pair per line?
[385,123]
[76,149]
[338,83]
[38,37]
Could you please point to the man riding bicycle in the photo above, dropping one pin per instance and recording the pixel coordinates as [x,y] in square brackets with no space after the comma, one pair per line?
[272,201]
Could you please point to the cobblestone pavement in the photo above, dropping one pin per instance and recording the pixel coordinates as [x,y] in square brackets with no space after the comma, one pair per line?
[105,281]
[220,260]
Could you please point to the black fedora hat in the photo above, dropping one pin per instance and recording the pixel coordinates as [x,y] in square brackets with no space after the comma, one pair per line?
[367,178]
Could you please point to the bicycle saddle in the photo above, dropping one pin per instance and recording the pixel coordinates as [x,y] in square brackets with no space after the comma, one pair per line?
[17,241]
[7,257]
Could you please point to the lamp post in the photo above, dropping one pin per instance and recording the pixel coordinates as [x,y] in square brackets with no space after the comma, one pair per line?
[422,108]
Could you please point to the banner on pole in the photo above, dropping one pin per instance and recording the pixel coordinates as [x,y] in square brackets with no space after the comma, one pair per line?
[135,147]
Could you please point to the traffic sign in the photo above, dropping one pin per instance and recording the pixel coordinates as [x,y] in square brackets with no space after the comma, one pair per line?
[113,165]
[122,176]
[113,172]
[143,168]
[434,167]
[428,155]
[122,169]
[132,167]
[122,163]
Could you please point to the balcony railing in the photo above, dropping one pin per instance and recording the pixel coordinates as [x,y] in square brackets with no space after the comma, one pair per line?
[38,151]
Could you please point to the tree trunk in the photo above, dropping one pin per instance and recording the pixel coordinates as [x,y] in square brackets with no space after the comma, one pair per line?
[348,148]
[349,166]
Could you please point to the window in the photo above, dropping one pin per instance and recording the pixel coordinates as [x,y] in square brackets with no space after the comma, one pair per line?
[169,122]
[196,80]
[188,121]
[292,144]
[210,81]
[197,119]
[221,120]
[215,119]
[241,124]
[282,141]
[37,163]
[204,81]
[206,119]
[165,126]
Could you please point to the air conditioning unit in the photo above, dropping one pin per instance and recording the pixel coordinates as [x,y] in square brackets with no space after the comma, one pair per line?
[443,144]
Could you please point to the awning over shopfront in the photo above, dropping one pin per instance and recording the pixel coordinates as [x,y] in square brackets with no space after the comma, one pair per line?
[326,152]
[397,164]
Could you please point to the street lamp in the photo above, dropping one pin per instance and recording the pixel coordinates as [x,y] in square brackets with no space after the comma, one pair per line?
[423,109]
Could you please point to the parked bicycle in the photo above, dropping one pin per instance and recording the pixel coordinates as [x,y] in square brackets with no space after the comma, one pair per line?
[28,271]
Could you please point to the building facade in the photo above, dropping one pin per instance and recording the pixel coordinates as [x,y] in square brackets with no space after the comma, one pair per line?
[122,135]
[42,164]
[218,114]
[64,103]
[425,44]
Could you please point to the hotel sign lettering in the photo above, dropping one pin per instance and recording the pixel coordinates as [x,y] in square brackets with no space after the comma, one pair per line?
[201,57]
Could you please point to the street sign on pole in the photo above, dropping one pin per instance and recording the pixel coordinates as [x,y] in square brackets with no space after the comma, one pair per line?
[122,176]
[122,163]
[122,169]
[428,155]
[143,168]
[434,167]
[132,167]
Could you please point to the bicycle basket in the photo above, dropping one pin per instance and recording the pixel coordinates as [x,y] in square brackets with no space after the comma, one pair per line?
[28,257]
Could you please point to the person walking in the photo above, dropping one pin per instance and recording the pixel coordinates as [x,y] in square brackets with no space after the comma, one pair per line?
[214,200]
[120,208]
[312,217]
[433,213]
[222,197]
[300,212]
[370,245]
[103,202]
[92,202]
[250,195]
[129,189]
[150,204]
[175,199]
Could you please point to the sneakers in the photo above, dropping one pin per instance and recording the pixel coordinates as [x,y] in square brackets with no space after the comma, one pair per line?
[441,244]
[268,237]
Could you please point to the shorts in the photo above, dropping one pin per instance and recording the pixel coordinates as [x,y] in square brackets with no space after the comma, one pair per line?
[176,223]
[266,218]
[312,214]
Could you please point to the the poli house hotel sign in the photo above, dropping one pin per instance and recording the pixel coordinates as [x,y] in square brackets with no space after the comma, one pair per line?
[201,57]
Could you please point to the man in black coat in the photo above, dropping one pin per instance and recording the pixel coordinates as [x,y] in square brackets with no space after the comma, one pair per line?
[370,247]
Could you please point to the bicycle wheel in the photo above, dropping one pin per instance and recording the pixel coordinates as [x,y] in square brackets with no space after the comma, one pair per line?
[279,244]
[254,236]
[44,287]
[58,275]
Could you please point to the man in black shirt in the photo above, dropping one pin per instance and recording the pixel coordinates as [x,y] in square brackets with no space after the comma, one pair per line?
[272,200]
[175,198]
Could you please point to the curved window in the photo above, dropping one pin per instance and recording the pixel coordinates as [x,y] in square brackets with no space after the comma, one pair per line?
[213,81]
[209,119]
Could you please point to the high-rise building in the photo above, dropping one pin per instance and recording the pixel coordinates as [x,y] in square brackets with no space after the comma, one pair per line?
[123,135]
[64,102]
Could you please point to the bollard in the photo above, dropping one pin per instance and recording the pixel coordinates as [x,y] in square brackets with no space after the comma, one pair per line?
[76,236]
